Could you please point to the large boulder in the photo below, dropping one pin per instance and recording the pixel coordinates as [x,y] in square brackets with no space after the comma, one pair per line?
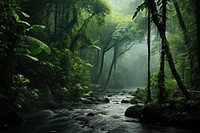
[106,100]
[125,101]
[86,100]
[134,111]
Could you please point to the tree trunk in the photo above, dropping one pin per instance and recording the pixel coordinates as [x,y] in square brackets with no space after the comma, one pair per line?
[155,19]
[149,56]
[174,71]
[55,17]
[111,67]
[101,66]
[186,37]
[96,67]
[198,34]
[161,74]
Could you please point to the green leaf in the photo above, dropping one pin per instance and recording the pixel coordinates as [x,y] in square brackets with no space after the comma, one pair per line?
[15,15]
[88,64]
[36,28]
[96,47]
[30,57]
[24,22]
[46,48]
[36,45]
[25,15]
[26,81]
[36,51]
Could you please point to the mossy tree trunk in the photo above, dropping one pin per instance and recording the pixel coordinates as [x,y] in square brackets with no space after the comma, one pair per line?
[161,74]
[186,38]
[175,74]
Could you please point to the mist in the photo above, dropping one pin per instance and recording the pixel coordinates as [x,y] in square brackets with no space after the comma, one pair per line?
[130,70]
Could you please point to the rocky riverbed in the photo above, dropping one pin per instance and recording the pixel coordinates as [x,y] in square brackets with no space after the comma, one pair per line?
[94,117]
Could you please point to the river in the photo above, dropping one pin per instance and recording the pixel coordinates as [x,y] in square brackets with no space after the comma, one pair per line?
[90,118]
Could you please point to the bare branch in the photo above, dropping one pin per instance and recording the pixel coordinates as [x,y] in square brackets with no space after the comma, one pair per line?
[126,49]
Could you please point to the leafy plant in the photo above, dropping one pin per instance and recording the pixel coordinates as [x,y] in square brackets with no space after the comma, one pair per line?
[23,94]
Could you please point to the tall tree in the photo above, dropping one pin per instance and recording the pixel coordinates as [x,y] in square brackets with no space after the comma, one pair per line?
[149,55]
[186,38]
[177,77]
[161,74]
[197,46]
[158,23]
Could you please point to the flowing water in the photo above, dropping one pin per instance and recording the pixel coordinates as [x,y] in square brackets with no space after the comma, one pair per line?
[93,118]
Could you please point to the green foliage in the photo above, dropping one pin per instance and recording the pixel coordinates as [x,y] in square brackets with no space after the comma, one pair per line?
[140,94]
[170,85]
[22,94]
[62,70]
[79,77]
[36,46]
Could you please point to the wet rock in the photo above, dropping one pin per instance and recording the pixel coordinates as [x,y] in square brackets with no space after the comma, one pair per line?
[128,96]
[134,100]
[121,94]
[116,117]
[110,95]
[92,98]
[86,101]
[106,100]
[134,111]
[125,101]
[151,113]
[90,114]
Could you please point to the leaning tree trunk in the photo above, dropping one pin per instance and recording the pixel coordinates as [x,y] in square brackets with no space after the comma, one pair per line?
[101,66]
[96,67]
[186,38]
[111,67]
[175,74]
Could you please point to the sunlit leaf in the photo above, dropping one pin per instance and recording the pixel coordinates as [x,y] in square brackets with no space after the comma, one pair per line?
[37,28]
[36,51]
[88,64]
[29,56]
[96,47]
[15,15]
[36,45]
[26,81]
[24,22]
[25,15]
[46,48]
